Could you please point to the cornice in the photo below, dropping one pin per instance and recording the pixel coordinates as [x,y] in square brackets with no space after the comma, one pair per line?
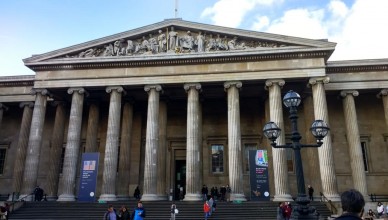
[9,81]
[357,66]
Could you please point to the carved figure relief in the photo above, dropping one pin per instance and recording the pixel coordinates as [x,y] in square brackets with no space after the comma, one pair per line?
[172,41]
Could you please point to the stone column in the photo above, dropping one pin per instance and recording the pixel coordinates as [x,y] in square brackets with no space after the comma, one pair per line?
[152,142]
[282,192]
[22,147]
[234,141]
[2,108]
[354,142]
[125,155]
[30,174]
[108,192]
[325,152]
[56,151]
[72,145]
[384,96]
[193,165]
[162,155]
[92,130]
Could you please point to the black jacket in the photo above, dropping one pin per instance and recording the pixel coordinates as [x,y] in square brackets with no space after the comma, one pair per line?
[349,216]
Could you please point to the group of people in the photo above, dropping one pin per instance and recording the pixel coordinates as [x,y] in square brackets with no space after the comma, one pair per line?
[284,211]
[223,194]
[138,213]
[381,212]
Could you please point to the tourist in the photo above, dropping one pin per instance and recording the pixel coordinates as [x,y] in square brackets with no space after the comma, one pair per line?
[311,192]
[206,209]
[111,214]
[124,213]
[380,209]
[139,213]
[174,211]
[353,204]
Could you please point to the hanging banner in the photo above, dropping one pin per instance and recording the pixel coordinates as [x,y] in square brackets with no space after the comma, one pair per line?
[88,181]
[258,172]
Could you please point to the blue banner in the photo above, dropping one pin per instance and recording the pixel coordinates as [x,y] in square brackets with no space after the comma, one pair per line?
[258,173]
[88,181]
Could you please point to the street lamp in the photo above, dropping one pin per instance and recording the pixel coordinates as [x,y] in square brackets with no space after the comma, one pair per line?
[319,129]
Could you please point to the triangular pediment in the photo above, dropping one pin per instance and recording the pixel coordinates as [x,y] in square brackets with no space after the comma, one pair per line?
[172,38]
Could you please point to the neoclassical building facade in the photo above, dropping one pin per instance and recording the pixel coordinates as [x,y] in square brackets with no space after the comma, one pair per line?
[179,104]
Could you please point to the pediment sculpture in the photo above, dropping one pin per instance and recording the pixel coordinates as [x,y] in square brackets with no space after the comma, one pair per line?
[174,41]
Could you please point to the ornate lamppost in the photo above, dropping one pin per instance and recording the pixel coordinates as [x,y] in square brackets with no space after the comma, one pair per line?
[319,129]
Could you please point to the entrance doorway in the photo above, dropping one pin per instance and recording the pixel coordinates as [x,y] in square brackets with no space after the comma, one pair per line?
[180,179]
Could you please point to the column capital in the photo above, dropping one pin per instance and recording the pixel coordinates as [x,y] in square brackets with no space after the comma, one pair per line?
[44,92]
[4,107]
[188,86]
[158,88]
[344,93]
[28,104]
[119,89]
[229,84]
[383,92]
[272,82]
[316,80]
[81,91]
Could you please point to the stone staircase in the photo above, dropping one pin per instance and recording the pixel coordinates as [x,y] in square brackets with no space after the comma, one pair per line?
[155,210]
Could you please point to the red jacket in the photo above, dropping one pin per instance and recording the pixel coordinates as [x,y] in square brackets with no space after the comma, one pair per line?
[206,207]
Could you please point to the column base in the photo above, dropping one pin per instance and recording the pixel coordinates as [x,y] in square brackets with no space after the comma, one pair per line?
[66,198]
[123,198]
[334,197]
[149,197]
[282,198]
[163,197]
[52,198]
[193,197]
[237,197]
[107,197]
[26,197]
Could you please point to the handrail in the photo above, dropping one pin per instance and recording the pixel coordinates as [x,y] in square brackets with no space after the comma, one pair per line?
[13,202]
[378,198]
[333,209]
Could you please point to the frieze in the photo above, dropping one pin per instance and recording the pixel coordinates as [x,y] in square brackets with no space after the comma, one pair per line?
[169,40]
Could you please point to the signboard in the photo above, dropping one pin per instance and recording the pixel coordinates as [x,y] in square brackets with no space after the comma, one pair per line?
[88,181]
[258,172]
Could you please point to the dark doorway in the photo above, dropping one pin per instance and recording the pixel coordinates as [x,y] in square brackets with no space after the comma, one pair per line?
[180,179]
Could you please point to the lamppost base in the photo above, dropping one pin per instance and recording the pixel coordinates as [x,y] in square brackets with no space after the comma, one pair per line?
[302,210]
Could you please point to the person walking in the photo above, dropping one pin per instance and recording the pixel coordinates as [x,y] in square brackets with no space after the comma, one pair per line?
[139,213]
[111,214]
[228,191]
[380,209]
[174,211]
[206,209]
[124,214]
[211,202]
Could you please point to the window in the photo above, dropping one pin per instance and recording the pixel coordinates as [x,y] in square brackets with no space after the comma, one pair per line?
[217,158]
[3,152]
[364,149]
[247,148]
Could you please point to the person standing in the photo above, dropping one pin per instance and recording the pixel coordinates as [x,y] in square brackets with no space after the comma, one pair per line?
[204,192]
[124,214]
[173,212]
[139,213]
[228,191]
[353,204]
[136,194]
[206,209]
[311,192]
[211,201]
[111,214]
[380,209]
[279,211]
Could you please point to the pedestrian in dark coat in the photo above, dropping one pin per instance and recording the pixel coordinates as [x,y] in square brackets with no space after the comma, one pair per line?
[353,203]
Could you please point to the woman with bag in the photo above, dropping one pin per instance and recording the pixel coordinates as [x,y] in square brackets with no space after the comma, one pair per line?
[174,211]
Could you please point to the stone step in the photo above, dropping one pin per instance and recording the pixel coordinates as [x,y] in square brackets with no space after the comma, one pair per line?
[155,210]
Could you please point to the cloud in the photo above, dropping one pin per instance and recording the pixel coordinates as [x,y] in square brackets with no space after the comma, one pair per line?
[360,29]
[230,13]
[300,23]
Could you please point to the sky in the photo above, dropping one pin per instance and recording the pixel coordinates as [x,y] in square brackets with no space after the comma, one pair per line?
[27,27]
